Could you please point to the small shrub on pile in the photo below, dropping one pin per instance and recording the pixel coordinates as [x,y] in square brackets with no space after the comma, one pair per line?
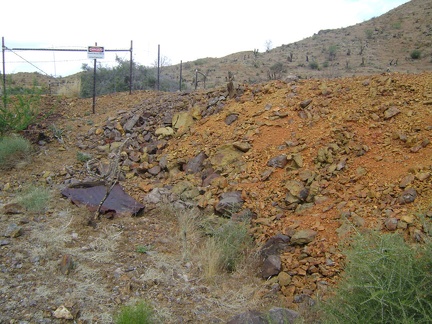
[13,150]
[385,281]
[141,313]
[34,199]
[415,55]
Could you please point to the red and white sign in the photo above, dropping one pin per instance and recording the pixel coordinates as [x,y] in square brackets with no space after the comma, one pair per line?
[95,52]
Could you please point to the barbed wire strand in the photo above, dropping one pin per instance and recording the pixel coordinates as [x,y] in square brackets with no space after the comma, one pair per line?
[27,61]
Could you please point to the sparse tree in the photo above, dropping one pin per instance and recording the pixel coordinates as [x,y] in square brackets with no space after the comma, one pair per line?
[268,45]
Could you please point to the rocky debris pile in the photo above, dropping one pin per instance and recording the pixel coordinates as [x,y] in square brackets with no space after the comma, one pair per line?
[305,162]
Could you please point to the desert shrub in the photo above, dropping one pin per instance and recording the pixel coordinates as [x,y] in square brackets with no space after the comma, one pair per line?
[232,240]
[19,111]
[13,150]
[369,33]
[83,157]
[385,281]
[141,313]
[314,65]
[415,55]
[34,199]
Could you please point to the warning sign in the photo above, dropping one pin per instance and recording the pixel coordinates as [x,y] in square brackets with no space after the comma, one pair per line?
[95,52]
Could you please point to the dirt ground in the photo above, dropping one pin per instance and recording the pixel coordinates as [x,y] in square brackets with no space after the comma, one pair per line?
[362,143]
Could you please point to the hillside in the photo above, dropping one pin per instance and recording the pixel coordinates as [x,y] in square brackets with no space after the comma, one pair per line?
[382,44]
[304,162]
[312,160]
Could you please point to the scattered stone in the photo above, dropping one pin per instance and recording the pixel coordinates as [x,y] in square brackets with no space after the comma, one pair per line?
[406,181]
[249,317]
[242,146]
[66,264]
[231,118]
[408,196]
[62,313]
[13,230]
[4,242]
[391,223]
[13,209]
[391,112]
[182,120]
[284,279]
[305,103]
[195,165]
[266,174]
[229,202]
[279,315]
[271,266]
[275,245]
[154,170]
[278,162]
[164,132]
[303,237]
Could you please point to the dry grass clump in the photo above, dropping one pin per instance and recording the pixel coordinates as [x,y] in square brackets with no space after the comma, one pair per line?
[34,199]
[13,151]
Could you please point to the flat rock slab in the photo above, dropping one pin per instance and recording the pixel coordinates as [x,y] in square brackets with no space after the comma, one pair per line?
[90,195]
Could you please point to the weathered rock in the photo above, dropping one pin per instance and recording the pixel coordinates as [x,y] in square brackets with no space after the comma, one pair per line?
[275,245]
[305,103]
[297,189]
[249,317]
[164,132]
[278,162]
[182,120]
[157,195]
[242,146]
[271,266]
[66,264]
[13,230]
[62,313]
[154,170]
[407,196]
[391,112]
[391,223]
[229,202]
[130,123]
[225,155]
[195,165]
[278,315]
[284,278]
[303,237]
[407,180]
[231,118]
[13,209]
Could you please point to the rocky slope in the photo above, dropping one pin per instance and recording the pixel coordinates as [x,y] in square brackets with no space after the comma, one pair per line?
[305,162]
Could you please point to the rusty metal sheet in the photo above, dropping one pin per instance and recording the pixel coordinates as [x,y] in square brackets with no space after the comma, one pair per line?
[91,194]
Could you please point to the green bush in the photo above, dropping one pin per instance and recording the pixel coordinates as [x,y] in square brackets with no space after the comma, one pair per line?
[34,199]
[416,54]
[314,65]
[13,150]
[141,313]
[19,111]
[385,281]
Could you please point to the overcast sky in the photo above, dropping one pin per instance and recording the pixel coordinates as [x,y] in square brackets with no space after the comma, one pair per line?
[185,29]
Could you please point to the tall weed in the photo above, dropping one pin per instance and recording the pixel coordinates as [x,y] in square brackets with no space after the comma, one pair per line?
[19,111]
[385,281]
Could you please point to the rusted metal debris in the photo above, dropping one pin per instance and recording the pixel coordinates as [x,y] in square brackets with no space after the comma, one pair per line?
[91,194]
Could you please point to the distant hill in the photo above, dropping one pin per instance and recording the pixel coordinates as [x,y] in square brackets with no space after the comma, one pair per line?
[381,44]
[398,41]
